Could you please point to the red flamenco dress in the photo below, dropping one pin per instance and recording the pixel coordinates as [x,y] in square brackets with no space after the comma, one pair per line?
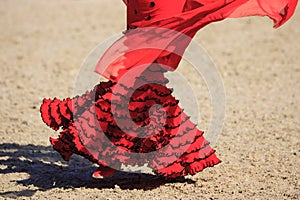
[136,120]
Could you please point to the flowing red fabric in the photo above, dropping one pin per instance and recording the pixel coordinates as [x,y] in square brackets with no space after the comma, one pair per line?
[182,16]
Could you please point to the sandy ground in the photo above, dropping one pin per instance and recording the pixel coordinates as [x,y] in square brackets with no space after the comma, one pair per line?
[43,44]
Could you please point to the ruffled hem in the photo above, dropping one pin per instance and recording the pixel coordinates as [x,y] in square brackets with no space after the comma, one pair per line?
[106,126]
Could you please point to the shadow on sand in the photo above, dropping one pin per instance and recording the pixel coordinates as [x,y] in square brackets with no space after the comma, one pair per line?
[46,171]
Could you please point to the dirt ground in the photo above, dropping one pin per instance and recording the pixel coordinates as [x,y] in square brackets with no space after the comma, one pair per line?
[43,44]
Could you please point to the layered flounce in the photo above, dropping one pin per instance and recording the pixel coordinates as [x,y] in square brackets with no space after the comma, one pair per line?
[142,123]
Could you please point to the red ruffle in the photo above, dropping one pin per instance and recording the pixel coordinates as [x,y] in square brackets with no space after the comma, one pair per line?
[149,120]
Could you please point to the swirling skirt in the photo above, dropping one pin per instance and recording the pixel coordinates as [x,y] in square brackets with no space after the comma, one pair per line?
[136,125]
